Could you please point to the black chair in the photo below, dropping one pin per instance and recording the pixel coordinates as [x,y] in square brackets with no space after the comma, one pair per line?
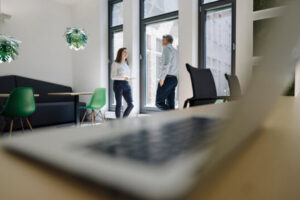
[204,88]
[234,87]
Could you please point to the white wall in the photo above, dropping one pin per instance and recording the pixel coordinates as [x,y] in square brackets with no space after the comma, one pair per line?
[90,66]
[40,25]
[244,40]
[131,30]
[188,46]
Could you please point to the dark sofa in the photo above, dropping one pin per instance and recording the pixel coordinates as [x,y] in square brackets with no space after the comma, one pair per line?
[50,110]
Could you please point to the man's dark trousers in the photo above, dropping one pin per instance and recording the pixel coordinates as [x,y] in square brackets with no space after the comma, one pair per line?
[165,96]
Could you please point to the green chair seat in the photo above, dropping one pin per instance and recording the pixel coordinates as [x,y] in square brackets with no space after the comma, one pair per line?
[97,102]
[20,103]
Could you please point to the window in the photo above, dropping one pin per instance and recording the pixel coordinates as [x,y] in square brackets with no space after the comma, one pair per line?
[115,40]
[208,1]
[117,14]
[217,40]
[159,7]
[158,18]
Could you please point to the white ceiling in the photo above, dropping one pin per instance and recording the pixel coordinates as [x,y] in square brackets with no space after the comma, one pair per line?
[68,2]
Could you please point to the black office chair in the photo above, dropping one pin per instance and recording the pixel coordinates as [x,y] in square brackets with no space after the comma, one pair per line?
[204,88]
[234,87]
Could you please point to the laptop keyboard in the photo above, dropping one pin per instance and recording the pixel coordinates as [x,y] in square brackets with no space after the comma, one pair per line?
[161,145]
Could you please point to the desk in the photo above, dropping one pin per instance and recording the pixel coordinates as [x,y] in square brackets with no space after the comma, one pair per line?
[267,169]
[7,95]
[76,96]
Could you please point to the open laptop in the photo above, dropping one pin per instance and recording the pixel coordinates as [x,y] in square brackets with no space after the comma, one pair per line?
[163,156]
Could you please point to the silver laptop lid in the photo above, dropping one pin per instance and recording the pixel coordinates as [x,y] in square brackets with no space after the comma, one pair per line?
[267,85]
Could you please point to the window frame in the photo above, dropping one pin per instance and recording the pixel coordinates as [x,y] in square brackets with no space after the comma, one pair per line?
[203,8]
[111,31]
[174,15]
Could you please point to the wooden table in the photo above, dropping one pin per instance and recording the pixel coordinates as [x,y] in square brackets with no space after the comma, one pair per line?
[7,95]
[267,169]
[76,96]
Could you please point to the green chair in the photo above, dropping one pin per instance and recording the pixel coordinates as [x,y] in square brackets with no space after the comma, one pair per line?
[20,104]
[97,102]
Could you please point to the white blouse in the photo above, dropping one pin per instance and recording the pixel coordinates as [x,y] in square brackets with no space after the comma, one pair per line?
[119,71]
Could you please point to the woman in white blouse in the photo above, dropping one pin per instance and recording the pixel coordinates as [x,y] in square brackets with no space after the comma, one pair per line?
[120,74]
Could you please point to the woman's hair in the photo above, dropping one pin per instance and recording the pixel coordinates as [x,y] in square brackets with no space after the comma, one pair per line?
[119,56]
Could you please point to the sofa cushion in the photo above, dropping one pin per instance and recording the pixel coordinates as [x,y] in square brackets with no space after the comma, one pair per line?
[43,88]
[48,114]
[52,113]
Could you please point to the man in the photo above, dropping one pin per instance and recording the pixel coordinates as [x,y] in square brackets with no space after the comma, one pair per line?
[165,96]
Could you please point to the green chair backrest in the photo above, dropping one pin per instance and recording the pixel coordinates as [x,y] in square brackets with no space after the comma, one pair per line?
[98,99]
[20,103]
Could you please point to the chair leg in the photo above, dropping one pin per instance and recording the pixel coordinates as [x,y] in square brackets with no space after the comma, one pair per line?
[28,122]
[22,125]
[11,127]
[102,116]
[83,118]
[3,126]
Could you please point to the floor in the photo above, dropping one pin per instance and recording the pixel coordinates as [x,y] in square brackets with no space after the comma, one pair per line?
[109,116]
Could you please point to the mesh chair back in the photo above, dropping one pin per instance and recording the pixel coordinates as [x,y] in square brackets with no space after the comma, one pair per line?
[202,82]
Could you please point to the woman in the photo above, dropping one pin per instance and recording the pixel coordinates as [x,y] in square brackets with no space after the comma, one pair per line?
[121,75]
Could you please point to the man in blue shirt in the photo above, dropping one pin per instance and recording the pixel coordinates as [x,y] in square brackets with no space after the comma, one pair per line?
[165,97]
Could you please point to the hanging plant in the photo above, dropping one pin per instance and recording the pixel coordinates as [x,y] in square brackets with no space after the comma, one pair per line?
[76,38]
[8,48]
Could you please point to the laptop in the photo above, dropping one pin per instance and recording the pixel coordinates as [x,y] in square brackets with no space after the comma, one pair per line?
[163,156]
